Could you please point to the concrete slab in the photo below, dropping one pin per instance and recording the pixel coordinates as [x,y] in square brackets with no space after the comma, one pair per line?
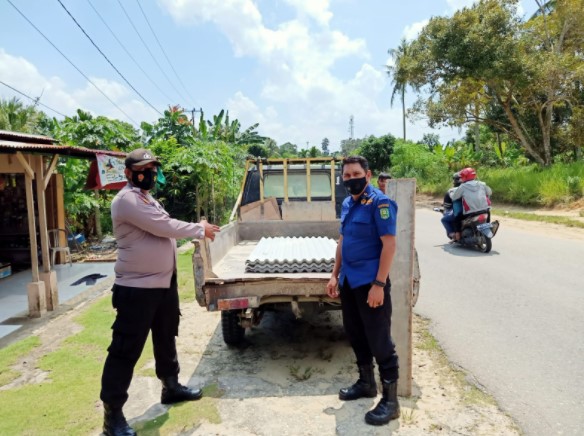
[7,329]
[14,296]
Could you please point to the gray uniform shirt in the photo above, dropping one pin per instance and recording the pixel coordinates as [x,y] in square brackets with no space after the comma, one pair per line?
[146,237]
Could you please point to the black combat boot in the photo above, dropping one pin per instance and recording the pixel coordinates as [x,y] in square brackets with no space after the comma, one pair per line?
[387,408]
[365,387]
[174,392]
[114,422]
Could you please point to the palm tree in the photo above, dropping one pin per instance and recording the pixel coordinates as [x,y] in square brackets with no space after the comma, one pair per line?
[544,8]
[398,75]
[17,117]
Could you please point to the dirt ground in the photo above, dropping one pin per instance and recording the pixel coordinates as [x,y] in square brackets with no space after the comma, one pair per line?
[286,379]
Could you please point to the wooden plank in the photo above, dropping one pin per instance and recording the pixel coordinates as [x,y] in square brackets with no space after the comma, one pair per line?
[28,180]
[403,192]
[50,170]
[240,196]
[308,182]
[27,168]
[285,164]
[199,273]
[42,213]
[261,169]
[60,205]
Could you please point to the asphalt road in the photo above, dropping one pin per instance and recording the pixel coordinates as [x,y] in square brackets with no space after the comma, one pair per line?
[513,318]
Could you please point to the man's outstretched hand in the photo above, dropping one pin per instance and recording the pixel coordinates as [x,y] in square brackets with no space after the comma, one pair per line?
[210,229]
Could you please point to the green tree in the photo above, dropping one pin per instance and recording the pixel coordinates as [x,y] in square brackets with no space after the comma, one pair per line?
[348,146]
[272,147]
[17,117]
[288,149]
[398,73]
[377,151]
[484,57]
[325,147]
[257,150]
[431,140]
[85,130]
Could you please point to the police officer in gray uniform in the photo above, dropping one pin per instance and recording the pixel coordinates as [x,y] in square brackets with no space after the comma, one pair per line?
[362,264]
[145,291]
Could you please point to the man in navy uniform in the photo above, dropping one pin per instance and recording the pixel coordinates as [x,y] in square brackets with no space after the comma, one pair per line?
[361,273]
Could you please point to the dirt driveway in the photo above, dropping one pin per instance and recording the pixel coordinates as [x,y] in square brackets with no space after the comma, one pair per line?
[286,379]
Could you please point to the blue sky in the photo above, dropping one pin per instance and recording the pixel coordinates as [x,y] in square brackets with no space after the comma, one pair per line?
[300,68]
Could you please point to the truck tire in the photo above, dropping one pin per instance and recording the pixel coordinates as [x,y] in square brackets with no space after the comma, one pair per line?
[233,332]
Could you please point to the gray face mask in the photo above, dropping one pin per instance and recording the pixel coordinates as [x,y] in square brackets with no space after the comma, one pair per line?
[355,186]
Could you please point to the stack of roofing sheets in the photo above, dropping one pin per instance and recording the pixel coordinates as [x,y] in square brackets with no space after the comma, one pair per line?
[292,255]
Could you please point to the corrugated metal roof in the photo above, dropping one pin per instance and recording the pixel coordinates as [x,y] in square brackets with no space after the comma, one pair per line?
[26,137]
[292,254]
[14,146]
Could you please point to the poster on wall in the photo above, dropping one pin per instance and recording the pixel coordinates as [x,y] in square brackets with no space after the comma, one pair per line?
[106,172]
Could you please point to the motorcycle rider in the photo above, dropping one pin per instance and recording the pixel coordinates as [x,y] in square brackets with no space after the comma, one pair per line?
[475,195]
[452,209]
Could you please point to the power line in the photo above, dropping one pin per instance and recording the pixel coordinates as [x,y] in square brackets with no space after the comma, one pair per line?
[36,100]
[106,58]
[129,54]
[148,49]
[163,51]
[72,64]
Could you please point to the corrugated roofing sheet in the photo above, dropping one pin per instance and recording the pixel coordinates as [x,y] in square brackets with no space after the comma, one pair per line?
[14,146]
[25,137]
[286,254]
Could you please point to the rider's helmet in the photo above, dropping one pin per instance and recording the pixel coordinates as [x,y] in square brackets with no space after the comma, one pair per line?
[456,179]
[468,174]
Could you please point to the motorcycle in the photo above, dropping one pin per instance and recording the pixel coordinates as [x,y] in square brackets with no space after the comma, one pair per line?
[476,231]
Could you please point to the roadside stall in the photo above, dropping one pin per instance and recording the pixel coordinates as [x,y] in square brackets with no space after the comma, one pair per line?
[32,207]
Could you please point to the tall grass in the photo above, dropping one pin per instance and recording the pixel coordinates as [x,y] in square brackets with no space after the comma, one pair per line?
[536,186]
[529,185]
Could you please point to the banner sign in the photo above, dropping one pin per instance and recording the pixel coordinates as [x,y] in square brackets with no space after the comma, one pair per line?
[110,170]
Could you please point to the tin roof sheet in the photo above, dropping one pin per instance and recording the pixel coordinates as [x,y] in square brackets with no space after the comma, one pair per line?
[25,137]
[292,254]
[8,146]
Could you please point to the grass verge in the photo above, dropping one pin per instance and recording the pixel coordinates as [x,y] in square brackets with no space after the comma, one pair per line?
[552,219]
[470,393]
[12,354]
[67,401]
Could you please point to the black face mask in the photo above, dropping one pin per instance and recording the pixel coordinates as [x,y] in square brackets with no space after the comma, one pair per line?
[355,186]
[144,179]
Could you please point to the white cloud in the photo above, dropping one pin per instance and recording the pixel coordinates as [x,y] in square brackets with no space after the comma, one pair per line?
[300,100]
[24,76]
[459,4]
[413,30]
[316,9]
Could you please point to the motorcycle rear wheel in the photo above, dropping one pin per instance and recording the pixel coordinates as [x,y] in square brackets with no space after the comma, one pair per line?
[485,244]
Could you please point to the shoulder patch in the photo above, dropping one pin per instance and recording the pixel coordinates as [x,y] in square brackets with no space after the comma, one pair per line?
[384,213]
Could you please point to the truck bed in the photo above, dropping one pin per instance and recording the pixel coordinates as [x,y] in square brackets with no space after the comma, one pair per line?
[232,266]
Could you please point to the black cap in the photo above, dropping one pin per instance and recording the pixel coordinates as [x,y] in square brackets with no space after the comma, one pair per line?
[383,176]
[140,157]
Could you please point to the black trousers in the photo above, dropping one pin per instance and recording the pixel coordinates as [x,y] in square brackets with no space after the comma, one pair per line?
[140,311]
[369,329]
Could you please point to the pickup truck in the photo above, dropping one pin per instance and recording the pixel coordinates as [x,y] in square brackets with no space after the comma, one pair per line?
[297,198]
[278,198]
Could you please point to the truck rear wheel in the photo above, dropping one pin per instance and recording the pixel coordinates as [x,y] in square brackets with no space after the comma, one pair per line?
[233,332]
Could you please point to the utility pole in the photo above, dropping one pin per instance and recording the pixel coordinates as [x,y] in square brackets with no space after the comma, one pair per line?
[351,126]
[193,111]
